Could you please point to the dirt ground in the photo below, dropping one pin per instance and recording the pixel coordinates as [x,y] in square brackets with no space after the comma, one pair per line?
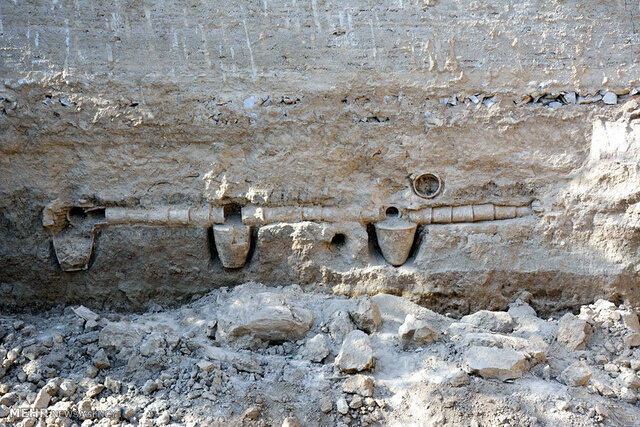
[280,356]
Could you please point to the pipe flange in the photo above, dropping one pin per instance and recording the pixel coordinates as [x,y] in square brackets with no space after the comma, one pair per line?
[427,185]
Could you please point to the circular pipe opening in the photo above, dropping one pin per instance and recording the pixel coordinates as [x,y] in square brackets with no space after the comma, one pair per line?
[392,211]
[75,215]
[427,185]
[338,239]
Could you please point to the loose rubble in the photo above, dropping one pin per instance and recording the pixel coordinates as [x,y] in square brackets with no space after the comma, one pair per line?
[287,357]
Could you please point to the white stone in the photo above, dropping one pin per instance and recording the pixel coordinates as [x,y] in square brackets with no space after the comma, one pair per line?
[576,374]
[341,406]
[316,348]
[291,422]
[42,399]
[206,366]
[356,353]
[366,315]
[265,316]
[359,384]
[416,331]
[86,314]
[496,321]
[610,98]
[498,363]
[519,309]
[629,379]
[573,333]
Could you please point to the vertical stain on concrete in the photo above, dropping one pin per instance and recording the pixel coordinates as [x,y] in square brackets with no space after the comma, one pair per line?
[205,46]
[67,44]
[185,25]
[253,65]
[374,50]
[315,14]
[142,98]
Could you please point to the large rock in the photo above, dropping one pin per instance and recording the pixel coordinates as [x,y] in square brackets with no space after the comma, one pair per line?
[499,363]
[366,315]
[340,325]
[86,314]
[42,399]
[359,384]
[519,309]
[533,347]
[316,349]
[123,337]
[264,316]
[356,353]
[573,333]
[394,311]
[101,360]
[417,332]
[496,321]
[576,374]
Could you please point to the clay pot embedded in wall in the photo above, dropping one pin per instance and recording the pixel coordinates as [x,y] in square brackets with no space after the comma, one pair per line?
[233,239]
[73,250]
[395,238]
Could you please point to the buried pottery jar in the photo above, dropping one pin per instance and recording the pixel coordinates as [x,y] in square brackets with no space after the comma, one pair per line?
[232,240]
[73,250]
[395,237]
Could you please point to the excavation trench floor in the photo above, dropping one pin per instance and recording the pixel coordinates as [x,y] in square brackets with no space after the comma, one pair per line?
[254,355]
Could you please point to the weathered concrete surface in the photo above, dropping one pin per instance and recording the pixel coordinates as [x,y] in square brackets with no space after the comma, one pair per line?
[323,103]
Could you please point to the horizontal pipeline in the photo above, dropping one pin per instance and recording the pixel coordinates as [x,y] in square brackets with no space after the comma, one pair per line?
[256,215]
[467,213]
[166,215]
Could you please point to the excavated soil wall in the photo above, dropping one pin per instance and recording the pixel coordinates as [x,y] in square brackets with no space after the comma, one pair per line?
[153,150]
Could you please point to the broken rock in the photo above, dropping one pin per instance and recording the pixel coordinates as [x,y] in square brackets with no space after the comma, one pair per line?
[265,316]
[359,384]
[342,406]
[86,314]
[291,422]
[519,309]
[317,348]
[42,399]
[366,315]
[499,363]
[573,333]
[340,325]
[417,331]
[120,336]
[610,98]
[356,353]
[326,404]
[101,360]
[632,339]
[496,321]
[577,374]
